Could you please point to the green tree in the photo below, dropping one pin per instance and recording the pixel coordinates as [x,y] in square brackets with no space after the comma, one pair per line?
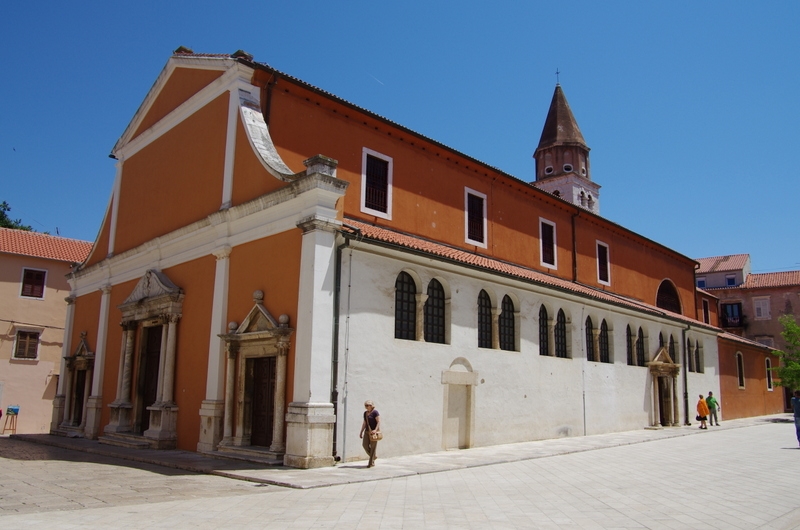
[7,222]
[788,373]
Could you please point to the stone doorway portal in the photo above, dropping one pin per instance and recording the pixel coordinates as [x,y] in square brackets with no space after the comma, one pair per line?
[263,399]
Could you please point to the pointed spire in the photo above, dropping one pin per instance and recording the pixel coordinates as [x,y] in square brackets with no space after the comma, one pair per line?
[560,127]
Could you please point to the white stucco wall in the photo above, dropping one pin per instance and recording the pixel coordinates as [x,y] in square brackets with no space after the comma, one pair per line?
[520,395]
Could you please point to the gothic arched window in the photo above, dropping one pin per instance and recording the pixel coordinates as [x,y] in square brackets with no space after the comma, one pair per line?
[560,335]
[668,298]
[508,337]
[544,332]
[484,320]
[605,350]
[405,307]
[434,313]
[629,346]
[589,339]
[641,356]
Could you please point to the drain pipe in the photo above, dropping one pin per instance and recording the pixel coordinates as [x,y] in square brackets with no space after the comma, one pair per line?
[685,377]
[337,274]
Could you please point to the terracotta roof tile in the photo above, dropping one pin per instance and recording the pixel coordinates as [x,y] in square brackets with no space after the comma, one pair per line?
[39,245]
[438,249]
[734,262]
[743,340]
[772,279]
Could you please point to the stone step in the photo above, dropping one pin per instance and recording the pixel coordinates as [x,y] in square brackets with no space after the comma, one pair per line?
[247,454]
[130,441]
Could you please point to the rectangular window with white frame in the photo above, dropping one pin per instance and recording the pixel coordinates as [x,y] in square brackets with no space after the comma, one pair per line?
[701,282]
[33,283]
[761,308]
[475,217]
[547,244]
[603,264]
[376,183]
[706,312]
[26,344]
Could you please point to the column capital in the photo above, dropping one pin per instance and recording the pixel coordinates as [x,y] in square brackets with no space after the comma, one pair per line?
[315,222]
[321,164]
[106,289]
[70,299]
[222,252]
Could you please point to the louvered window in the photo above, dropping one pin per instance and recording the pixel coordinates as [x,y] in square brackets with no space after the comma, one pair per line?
[33,283]
[27,345]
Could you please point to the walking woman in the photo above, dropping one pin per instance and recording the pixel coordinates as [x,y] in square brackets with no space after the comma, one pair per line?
[371,424]
[702,412]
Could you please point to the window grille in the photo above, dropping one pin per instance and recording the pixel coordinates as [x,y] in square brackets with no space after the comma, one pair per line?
[506,325]
[405,307]
[548,243]
[589,339]
[376,194]
[605,355]
[475,218]
[641,357]
[544,335]
[484,320]
[602,263]
[560,335]
[434,313]
[629,346]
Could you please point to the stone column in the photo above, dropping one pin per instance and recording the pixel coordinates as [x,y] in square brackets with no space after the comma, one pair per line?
[68,393]
[121,408]
[212,407]
[85,398]
[230,394]
[278,445]
[656,397]
[419,324]
[310,416]
[94,400]
[675,422]
[168,393]
[496,328]
[58,402]
[163,428]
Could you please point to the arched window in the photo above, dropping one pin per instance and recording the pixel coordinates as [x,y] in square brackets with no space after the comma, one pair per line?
[560,335]
[605,350]
[698,357]
[629,345]
[641,356]
[660,340]
[434,313]
[589,339]
[405,307]
[484,320]
[689,356]
[672,348]
[740,369]
[667,297]
[769,373]
[544,336]
[508,336]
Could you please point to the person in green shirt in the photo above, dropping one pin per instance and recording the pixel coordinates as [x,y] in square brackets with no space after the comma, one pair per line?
[713,407]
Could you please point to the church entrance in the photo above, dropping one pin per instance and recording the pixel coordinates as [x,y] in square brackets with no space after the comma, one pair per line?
[77,397]
[148,375]
[263,399]
[665,401]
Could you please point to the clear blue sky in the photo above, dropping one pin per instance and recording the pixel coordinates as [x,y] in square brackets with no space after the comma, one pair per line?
[691,109]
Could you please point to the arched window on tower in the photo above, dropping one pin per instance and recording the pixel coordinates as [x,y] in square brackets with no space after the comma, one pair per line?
[434,313]
[484,320]
[405,307]
[667,297]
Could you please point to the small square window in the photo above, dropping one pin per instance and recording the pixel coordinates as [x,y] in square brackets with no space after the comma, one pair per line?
[761,308]
[376,184]
[701,282]
[730,280]
[33,281]
[603,267]
[475,217]
[547,243]
[27,345]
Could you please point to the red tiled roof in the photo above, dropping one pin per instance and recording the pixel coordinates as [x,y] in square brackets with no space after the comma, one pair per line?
[733,262]
[468,258]
[39,245]
[743,340]
[772,279]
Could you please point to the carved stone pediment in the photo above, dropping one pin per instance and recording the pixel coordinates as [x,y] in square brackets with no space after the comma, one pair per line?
[154,296]
[662,363]
[258,324]
[82,358]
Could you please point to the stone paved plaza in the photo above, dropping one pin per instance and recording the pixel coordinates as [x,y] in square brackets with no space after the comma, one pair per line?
[746,474]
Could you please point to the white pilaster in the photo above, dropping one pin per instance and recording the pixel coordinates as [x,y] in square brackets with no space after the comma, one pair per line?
[230,147]
[94,400]
[112,232]
[58,402]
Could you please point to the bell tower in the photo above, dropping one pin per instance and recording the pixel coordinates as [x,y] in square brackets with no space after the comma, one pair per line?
[562,158]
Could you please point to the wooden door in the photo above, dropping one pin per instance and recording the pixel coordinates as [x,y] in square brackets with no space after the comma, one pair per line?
[77,397]
[263,404]
[149,374]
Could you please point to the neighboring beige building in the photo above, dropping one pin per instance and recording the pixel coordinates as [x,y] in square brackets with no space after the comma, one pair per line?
[33,287]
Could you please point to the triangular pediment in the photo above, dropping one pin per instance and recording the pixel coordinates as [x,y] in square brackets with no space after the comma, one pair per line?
[257,320]
[83,348]
[662,356]
[154,284]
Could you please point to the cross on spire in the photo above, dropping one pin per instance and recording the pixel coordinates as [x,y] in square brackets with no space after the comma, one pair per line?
[557,80]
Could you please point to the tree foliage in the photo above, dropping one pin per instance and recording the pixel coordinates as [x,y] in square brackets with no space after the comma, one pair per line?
[7,222]
[788,373]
